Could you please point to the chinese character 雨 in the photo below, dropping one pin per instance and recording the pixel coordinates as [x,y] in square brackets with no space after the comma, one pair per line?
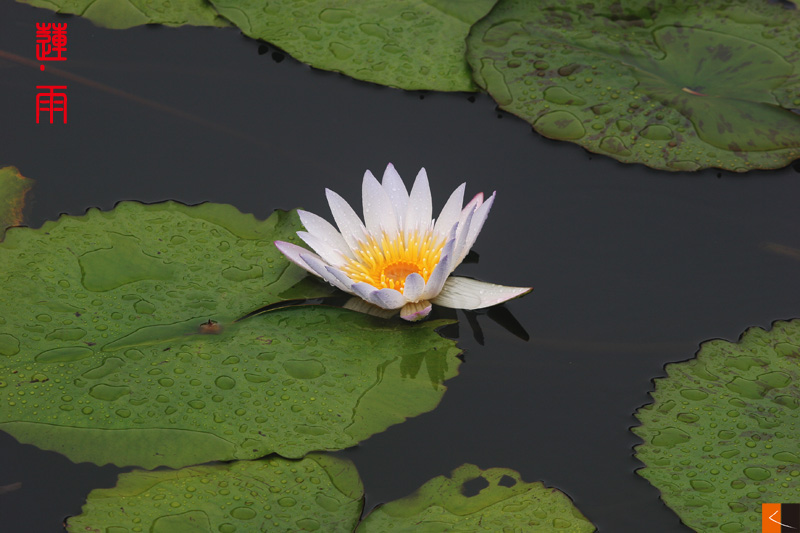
[51,101]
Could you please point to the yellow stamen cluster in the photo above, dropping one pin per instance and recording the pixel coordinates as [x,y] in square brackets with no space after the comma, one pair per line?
[385,264]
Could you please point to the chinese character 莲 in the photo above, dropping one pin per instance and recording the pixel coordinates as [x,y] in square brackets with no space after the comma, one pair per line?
[51,42]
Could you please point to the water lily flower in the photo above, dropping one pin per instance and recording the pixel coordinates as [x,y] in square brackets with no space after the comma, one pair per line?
[399,257]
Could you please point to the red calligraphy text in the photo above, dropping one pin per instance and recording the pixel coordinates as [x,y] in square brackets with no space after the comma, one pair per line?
[51,102]
[51,42]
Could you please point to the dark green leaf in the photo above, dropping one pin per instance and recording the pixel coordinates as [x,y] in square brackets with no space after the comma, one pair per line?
[121,14]
[674,85]
[413,44]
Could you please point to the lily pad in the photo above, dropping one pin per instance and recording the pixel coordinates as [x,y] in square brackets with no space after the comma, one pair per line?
[414,44]
[504,503]
[317,493]
[722,435]
[13,188]
[97,277]
[121,14]
[674,85]
[322,493]
[118,343]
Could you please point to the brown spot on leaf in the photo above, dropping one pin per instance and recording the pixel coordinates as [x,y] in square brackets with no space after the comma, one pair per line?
[211,327]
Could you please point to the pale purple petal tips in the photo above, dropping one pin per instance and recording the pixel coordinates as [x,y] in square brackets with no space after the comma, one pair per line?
[413,287]
[321,269]
[388,299]
[414,311]
[292,253]
[477,223]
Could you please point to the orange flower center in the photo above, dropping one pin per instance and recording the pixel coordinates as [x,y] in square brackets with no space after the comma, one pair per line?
[386,264]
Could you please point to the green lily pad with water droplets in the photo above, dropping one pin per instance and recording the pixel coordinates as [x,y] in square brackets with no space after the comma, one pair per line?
[107,353]
[504,503]
[722,435]
[674,85]
[121,14]
[317,493]
[13,188]
[413,44]
[320,493]
[94,278]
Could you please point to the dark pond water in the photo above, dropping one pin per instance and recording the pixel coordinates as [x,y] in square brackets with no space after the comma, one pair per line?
[632,268]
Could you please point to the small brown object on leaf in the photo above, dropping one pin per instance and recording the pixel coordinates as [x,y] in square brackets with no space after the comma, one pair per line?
[210,328]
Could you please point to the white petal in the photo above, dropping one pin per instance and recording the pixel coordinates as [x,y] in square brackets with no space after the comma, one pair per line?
[321,269]
[438,278]
[476,225]
[388,299]
[350,225]
[384,298]
[328,254]
[292,253]
[362,290]
[396,189]
[451,211]
[362,306]
[443,268]
[414,311]
[463,226]
[342,277]
[461,249]
[466,293]
[324,230]
[476,201]
[379,213]
[420,207]
[413,287]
